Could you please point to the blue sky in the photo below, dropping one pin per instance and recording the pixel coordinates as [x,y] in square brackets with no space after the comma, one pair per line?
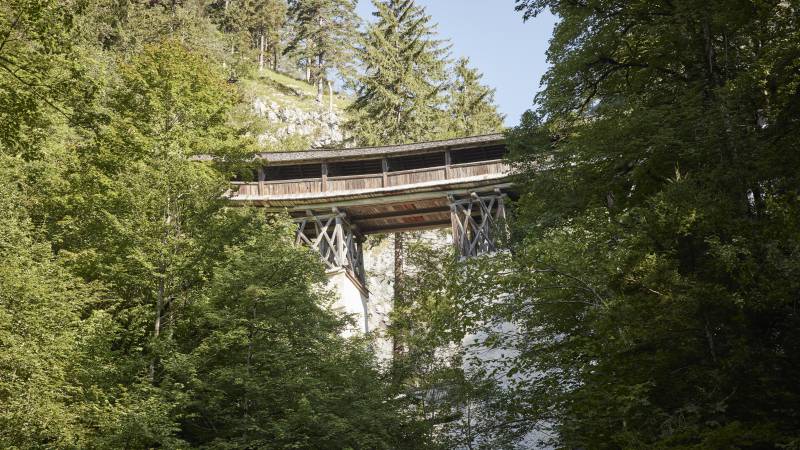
[510,53]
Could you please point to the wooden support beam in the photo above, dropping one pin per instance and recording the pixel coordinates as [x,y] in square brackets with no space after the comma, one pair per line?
[477,222]
[400,214]
[405,227]
[337,241]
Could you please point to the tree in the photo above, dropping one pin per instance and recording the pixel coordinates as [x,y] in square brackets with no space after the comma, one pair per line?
[39,73]
[40,326]
[399,94]
[269,368]
[269,20]
[262,21]
[324,31]
[471,108]
[653,281]
[134,214]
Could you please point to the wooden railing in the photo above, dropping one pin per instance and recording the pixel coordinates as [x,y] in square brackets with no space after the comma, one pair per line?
[416,176]
[355,182]
[449,173]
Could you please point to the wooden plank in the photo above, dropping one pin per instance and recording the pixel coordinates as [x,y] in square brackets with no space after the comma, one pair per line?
[411,177]
[355,183]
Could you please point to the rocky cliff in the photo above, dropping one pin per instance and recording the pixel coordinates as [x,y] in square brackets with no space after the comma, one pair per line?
[285,115]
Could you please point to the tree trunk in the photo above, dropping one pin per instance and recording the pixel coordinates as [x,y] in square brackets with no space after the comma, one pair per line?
[261,54]
[275,57]
[330,97]
[157,324]
[321,75]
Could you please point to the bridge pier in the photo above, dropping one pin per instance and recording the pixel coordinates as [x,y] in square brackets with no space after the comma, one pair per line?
[478,222]
[339,244]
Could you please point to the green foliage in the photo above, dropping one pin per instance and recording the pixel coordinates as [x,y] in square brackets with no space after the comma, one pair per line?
[40,307]
[453,364]
[262,316]
[653,283]
[245,23]
[38,78]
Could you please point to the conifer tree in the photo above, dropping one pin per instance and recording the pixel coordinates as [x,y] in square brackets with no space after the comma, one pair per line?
[400,93]
[252,24]
[471,110]
[266,21]
[323,37]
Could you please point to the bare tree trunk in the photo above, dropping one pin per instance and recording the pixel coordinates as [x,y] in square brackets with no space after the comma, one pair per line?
[261,54]
[157,324]
[321,75]
[275,57]
[330,96]
[308,71]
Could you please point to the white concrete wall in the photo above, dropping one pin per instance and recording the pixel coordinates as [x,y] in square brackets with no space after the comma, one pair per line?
[379,265]
[350,300]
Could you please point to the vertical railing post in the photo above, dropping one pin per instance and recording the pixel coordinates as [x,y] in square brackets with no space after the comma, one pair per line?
[339,240]
[324,186]
[261,177]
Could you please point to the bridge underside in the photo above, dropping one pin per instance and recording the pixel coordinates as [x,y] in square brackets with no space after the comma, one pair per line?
[396,212]
[336,223]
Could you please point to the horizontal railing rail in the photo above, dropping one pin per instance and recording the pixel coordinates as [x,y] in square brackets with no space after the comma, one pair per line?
[395,179]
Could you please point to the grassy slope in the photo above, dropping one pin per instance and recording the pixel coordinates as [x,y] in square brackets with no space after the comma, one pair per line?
[289,92]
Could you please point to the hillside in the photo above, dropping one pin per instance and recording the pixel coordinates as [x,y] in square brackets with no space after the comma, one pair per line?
[284,113]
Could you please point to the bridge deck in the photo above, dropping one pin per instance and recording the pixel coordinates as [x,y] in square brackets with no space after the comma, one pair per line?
[382,189]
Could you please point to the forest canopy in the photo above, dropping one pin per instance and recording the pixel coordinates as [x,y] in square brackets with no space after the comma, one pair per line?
[646,294]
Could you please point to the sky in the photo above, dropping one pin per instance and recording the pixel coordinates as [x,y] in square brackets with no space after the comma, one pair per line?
[509,52]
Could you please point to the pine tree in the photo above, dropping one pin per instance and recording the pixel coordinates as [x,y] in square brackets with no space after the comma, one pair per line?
[323,34]
[400,93]
[471,109]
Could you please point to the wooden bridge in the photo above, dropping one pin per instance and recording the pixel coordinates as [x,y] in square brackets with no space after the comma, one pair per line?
[339,196]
